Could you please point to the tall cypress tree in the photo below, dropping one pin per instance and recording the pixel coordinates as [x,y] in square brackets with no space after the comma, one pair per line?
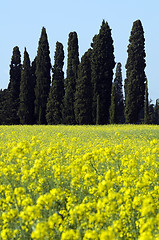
[135,75]
[14,86]
[146,105]
[102,73]
[117,102]
[112,110]
[94,77]
[70,81]
[119,95]
[26,106]
[33,72]
[33,84]
[43,79]
[151,111]
[56,95]
[83,94]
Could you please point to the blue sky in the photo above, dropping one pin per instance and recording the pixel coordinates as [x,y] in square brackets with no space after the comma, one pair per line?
[21,23]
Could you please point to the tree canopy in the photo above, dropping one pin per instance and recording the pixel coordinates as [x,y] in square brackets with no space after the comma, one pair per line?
[43,78]
[102,73]
[88,94]
[56,95]
[135,75]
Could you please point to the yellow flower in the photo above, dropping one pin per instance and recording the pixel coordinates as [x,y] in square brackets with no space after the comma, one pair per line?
[101,180]
[146,236]
[70,235]
[90,235]
[6,234]
[107,234]
[54,221]
[41,231]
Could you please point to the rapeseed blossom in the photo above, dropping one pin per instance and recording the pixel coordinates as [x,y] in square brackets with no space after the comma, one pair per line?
[79,182]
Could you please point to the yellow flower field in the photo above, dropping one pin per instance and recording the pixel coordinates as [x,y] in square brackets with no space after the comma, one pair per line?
[79,182]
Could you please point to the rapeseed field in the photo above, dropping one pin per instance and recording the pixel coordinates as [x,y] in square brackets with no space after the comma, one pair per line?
[79,182]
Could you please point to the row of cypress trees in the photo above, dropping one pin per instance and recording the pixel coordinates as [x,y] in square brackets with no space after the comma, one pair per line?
[88,94]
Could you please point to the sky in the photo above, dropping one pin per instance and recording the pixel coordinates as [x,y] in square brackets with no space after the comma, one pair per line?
[21,23]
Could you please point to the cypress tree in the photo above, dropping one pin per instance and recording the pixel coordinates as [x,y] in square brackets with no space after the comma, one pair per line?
[7,110]
[43,79]
[26,106]
[4,107]
[14,86]
[119,102]
[56,95]
[33,72]
[112,111]
[146,105]
[135,75]
[70,81]
[83,94]
[33,84]
[157,112]
[102,73]
[94,77]
[151,111]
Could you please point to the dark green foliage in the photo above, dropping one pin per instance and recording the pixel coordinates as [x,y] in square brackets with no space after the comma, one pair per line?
[70,81]
[119,102]
[33,83]
[112,110]
[83,94]
[157,112]
[33,74]
[135,75]
[15,73]
[8,114]
[43,79]
[1,107]
[146,105]
[14,86]
[102,73]
[87,95]
[5,108]
[151,113]
[56,95]
[98,110]
[26,106]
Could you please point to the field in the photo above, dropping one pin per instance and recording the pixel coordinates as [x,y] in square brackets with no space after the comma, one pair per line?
[79,182]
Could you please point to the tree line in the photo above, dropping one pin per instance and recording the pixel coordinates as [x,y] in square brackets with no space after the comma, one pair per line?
[38,93]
